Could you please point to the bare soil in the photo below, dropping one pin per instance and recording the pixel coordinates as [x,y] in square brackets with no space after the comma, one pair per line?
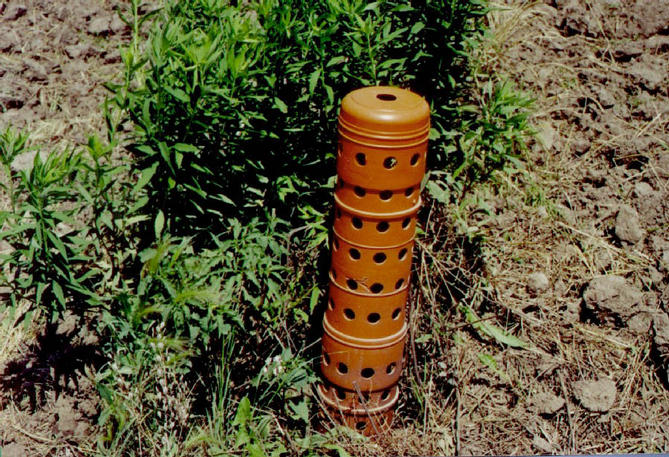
[576,255]
[54,57]
[576,258]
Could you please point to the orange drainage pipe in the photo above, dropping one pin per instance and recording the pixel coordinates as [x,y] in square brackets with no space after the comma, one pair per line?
[383,133]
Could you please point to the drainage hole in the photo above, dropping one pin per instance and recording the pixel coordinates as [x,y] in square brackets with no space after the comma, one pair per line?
[390,162]
[402,254]
[406,222]
[367,373]
[349,313]
[379,257]
[376,288]
[391,368]
[342,368]
[385,394]
[360,158]
[409,192]
[386,194]
[326,359]
[414,159]
[399,283]
[362,424]
[357,223]
[340,394]
[338,213]
[386,97]
[334,273]
[335,244]
[352,284]
[382,226]
[354,253]
[332,305]
[396,313]
[373,318]
[359,191]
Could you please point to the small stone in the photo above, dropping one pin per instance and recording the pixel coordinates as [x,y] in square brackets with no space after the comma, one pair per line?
[661,332]
[647,73]
[604,97]
[655,276]
[596,396]
[662,167]
[580,146]
[15,12]
[13,101]
[572,313]
[100,26]
[14,450]
[537,283]
[664,260]
[77,51]
[642,190]
[627,52]
[627,226]
[547,403]
[35,71]
[640,323]
[117,25]
[542,445]
[612,299]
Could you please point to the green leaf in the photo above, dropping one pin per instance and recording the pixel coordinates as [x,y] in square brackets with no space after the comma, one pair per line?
[243,414]
[491,330]
[490,362]
[336,61]
[313,301]
[278,103]
[58,292]
[159,224]
[313,80]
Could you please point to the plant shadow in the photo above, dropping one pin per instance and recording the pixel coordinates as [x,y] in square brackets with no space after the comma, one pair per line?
[55,362]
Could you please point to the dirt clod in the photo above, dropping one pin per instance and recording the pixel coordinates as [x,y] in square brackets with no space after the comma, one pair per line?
[547,403]
[14,450]
[596,396]
[628,227]
[612,299]
[15,12]
[100,26]
[537,283]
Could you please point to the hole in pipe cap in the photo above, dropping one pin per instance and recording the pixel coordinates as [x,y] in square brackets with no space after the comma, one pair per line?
[386,97]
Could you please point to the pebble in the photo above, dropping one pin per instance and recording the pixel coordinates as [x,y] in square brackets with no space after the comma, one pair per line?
[612,299]
[15,12]
[628,228]
[537,283]
[596,396]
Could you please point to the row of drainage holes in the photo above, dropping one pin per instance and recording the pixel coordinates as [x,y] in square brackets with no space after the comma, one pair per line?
[367,373]
[383,195]
[388,163]
[341,395]
[372,318]
[381,227]
[379,257]
[375,288]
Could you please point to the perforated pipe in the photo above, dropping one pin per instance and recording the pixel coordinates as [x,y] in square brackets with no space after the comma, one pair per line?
[381,151]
